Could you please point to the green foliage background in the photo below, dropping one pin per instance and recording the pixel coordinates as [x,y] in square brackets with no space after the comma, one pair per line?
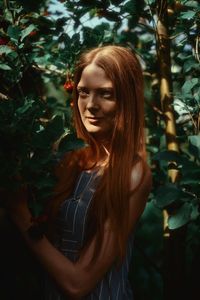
[38,48]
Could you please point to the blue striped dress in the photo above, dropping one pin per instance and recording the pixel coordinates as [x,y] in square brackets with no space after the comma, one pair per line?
[71,225]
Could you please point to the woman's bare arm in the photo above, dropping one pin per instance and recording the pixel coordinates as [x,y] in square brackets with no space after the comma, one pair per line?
[74,278]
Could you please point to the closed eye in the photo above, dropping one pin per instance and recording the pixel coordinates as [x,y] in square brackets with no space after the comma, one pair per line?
[106,93]
[82,92]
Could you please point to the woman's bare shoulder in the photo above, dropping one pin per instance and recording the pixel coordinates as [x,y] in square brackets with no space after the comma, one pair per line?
[141,176]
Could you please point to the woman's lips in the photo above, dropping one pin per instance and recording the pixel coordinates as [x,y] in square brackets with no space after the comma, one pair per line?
[94,119]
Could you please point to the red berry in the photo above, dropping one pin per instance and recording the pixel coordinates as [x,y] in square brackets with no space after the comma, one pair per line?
[33,33]
[3,41]
[68,86]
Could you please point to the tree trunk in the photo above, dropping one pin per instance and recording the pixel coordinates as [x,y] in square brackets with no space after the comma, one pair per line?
[174,240]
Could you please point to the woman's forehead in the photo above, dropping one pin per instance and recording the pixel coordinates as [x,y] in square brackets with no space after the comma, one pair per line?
[95,76]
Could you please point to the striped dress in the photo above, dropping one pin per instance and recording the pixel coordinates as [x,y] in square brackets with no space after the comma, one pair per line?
[71,225]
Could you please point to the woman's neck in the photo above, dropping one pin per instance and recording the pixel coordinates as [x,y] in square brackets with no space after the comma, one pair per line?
[103,155]
[102,159]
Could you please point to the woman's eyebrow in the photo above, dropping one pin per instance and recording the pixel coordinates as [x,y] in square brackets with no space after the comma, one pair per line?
[105,88]
[100,89]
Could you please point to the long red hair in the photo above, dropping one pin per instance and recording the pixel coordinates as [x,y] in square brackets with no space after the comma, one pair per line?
[111,199]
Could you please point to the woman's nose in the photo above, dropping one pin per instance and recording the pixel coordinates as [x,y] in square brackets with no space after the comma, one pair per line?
[92,102]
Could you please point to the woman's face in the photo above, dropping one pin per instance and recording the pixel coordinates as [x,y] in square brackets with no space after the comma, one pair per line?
[96,102]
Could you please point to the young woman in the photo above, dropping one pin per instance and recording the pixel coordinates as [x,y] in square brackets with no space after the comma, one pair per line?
[102,189]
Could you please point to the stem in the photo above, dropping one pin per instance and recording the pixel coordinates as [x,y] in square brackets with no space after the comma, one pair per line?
[165,82]
[7,5]
[174,240]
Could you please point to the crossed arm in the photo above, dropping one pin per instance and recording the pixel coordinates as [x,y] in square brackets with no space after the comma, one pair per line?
[74,278]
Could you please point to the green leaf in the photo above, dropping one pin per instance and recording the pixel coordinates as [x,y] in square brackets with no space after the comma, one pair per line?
[70,142]
[14,33]
[167,194]
[168,155]
[52,132]
[5,50]
[23,109]
[190,177]
[195,211]
[187,15]
[190,64]
[194,144]
[5,67]
[152,149]
[191,4]
[149,2]
[189,84]
[195,140]
[181,217]
[129,6]
[27,31]
[55,127]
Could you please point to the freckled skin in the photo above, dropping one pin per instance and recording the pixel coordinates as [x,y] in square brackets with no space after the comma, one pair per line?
[96,102]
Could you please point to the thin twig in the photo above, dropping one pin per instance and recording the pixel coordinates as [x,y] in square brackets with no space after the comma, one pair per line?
[197,49]
[3,97]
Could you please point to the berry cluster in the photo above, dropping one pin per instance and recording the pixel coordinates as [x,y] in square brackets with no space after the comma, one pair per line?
[69,86]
